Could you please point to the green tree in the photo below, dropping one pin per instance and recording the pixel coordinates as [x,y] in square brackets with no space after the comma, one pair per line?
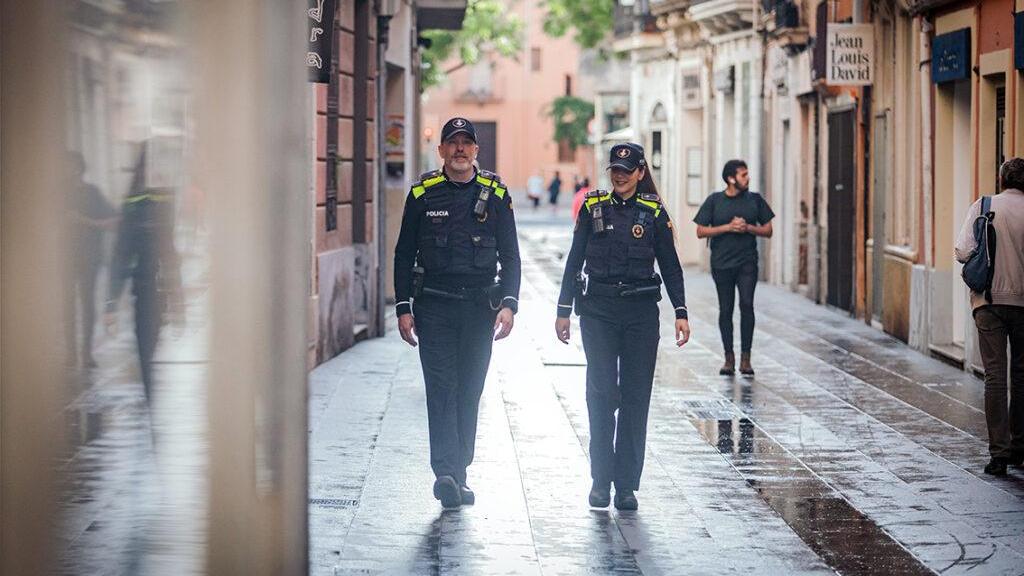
[486,29]
[592,20]
[572,115]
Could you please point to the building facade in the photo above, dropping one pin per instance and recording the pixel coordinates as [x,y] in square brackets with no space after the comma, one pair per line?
[366,116]
[870,126]
[508,102]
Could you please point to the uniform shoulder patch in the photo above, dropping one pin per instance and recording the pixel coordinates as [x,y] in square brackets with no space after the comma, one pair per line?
[595,194]
[650,197]
[430,174]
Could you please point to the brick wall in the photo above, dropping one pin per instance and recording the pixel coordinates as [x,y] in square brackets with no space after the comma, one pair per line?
[346,145]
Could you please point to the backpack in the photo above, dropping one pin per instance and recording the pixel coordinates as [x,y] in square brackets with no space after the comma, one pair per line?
[980,266]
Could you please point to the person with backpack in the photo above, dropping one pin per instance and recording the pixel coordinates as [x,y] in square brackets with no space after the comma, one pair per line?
[991,246]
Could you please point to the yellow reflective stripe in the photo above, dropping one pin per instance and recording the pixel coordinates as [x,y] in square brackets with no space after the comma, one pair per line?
[596,199]
[418,191]
[652,205]
[499,192]
[433,181]
[485,181]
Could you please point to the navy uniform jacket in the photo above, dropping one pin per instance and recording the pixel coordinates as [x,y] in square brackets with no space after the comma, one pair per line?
[456,249]
[621,246]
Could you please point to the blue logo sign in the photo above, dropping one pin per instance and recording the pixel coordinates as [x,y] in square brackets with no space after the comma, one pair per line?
[951,56]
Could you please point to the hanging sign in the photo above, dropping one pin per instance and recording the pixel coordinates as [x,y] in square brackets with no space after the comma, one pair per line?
[321,32]
[951,56]
[850,58]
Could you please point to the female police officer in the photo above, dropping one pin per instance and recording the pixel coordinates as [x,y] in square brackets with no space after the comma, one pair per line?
[618,236]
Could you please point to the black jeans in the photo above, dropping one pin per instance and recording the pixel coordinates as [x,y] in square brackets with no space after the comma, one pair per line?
[621,346]
[455,351]
[997,327]
[727,282]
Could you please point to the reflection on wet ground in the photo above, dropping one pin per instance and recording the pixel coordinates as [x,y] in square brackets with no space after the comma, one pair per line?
[134,499]
[847,453]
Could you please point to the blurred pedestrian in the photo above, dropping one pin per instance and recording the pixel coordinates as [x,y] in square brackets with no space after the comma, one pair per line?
[91,215]
[619,235]
[554,189]
[577,199]
[733,219]
[534,188]
[457,228]
[999,313]
[144,254]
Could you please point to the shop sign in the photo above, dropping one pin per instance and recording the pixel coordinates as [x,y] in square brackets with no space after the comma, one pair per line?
[321,32]
[951,56]
[850,60]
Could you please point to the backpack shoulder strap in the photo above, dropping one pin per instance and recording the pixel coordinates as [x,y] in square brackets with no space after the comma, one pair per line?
[986,203]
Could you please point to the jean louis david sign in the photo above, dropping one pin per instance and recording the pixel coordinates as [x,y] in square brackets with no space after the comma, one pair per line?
[851,55]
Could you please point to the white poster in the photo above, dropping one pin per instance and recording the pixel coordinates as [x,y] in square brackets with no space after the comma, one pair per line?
[851,55]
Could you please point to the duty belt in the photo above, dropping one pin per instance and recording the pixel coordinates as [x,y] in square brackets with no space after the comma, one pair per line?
[623,289]
[486,294]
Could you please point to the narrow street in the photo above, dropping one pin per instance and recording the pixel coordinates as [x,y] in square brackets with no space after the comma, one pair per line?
[847,453]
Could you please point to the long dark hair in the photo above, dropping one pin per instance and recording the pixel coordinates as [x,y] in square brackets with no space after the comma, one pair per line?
[646,185]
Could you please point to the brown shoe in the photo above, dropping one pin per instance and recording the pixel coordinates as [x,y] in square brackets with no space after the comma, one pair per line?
[745,368]
[729,368]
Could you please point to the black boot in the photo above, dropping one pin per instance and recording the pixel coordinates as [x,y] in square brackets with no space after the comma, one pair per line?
[729,367]
[745,368]
[625,500]
[446,489]
[996,467]
[600,495]
[468,498]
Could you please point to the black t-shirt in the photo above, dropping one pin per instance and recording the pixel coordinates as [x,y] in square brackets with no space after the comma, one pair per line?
[731,250]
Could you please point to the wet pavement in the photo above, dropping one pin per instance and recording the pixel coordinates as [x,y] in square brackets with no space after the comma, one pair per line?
[135,493]
[848,453]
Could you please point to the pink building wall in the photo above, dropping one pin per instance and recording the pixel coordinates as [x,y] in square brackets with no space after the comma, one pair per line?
[520,95]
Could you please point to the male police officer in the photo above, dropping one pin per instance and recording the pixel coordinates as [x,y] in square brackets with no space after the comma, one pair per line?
[457,227]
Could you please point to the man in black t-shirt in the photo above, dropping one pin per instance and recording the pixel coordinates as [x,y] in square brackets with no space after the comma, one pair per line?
[732,220]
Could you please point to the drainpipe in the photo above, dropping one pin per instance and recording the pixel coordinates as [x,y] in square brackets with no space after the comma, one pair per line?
[380,202]
[925,72]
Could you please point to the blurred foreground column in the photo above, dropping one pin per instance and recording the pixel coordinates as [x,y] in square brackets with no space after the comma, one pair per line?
[253,109]
[31,350]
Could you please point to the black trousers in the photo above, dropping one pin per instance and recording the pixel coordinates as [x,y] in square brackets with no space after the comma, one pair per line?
[728,281]
[455,351]
[621,344]
[997,327]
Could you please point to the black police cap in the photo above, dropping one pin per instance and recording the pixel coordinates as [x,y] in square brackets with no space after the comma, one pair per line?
[628,156]
[458,126]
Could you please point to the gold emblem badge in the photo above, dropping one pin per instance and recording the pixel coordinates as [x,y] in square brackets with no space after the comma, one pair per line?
[638,231]
[459,123]
[623,153]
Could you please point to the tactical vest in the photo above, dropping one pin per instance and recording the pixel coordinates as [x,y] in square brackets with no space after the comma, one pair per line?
[624,249]
[457,227]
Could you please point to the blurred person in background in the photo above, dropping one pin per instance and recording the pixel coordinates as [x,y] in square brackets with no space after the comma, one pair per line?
[144,253]
[554,190]
[577,199]
[91,215]
[534,188]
